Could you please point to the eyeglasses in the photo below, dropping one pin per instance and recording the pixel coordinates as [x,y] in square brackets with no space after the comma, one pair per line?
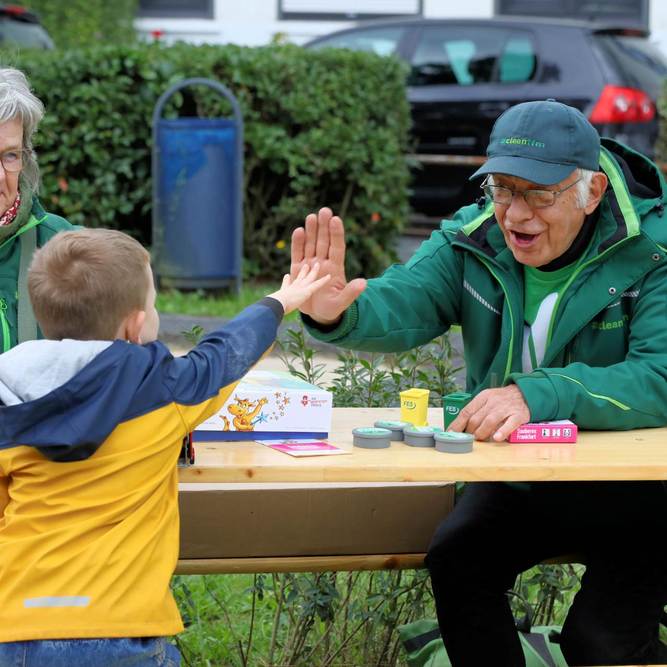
[499,194]
[13,160]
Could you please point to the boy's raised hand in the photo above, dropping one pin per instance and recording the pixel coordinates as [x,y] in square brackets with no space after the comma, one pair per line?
[298,289]
[322,241]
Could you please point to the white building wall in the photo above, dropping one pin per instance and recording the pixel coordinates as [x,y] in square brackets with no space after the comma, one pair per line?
[658,23]
[469,9]
[249,23]
[256,22]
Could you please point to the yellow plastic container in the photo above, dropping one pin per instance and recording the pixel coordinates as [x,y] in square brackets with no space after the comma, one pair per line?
[414,406]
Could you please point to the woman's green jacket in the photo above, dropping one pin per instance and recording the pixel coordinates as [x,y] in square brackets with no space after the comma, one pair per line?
[31,229]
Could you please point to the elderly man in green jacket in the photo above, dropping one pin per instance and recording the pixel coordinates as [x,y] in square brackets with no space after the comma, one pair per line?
[558,278]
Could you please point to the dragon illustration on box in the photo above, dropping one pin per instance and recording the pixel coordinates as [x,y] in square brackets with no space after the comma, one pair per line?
[245,413]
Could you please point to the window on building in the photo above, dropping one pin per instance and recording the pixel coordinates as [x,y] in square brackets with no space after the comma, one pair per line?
[324,10]
[465,56]
[617,12]
[176,8]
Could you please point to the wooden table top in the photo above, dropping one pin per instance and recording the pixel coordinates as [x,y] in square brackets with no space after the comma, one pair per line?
[598,455]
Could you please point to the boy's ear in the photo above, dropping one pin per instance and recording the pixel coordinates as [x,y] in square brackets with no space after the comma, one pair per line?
[132,325]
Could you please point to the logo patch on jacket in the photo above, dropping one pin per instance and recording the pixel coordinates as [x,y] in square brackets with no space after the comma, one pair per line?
[612,324]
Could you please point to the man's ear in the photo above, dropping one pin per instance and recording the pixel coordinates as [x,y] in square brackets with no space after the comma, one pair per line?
[130,329]
[596,191]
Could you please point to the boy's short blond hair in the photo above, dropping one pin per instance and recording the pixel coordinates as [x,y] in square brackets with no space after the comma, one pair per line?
[83,283]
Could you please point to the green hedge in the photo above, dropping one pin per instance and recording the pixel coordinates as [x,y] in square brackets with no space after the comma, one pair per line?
[321,128]
[661,143]
[76,23]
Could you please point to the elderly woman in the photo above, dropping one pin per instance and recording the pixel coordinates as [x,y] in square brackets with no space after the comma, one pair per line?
[24,224]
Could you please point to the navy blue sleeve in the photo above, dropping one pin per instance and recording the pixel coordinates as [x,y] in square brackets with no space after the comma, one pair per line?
[225,355]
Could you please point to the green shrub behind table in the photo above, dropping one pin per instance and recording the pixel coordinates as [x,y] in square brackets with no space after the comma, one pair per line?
[661,143]
[320,128]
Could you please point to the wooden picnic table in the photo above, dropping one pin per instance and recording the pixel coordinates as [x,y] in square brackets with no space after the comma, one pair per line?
[602,455]
[598,455]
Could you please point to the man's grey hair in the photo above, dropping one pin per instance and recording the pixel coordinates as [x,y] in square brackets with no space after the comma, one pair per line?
[582,188]
[18,102]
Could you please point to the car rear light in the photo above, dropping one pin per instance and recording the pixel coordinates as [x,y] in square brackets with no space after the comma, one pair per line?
[622,105]
[14,9]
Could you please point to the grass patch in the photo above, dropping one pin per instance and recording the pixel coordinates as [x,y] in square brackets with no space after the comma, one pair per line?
[225,304]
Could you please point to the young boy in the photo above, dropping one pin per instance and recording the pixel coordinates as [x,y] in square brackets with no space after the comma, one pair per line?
[93,419]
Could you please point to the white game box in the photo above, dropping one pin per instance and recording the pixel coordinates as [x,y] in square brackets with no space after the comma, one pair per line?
[270,405]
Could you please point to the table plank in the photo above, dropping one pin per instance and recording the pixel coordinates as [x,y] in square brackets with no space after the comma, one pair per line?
[598,455]
[300,564]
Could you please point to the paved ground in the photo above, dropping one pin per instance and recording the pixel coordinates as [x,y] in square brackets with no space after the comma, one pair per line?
[173,326]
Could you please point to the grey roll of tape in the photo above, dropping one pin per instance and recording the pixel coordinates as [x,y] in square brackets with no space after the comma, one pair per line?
[419,436]
[451,442]
[396,427]
[371,438]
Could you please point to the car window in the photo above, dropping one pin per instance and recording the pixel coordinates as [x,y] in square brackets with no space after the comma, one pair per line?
[464,56]
[19,33]
[517,60]
[638,59]
[382,41]
[459,53]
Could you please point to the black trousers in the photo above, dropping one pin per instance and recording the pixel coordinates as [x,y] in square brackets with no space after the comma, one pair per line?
[497,531]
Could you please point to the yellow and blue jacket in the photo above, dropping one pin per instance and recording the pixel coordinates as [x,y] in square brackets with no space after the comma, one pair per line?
[90,434]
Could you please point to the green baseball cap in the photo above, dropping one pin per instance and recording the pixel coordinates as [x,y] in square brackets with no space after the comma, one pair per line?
[542,142]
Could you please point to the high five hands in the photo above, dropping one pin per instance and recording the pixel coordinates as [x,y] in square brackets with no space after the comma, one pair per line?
[299,288]
[322,241]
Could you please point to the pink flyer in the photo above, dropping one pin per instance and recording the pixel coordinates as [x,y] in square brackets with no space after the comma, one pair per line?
[303,447]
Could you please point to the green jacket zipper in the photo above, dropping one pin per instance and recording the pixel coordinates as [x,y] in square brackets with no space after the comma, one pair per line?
[508,366]
[6,342]
[488,264]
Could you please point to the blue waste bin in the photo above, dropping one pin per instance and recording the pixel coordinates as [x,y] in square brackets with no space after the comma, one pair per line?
[198,196]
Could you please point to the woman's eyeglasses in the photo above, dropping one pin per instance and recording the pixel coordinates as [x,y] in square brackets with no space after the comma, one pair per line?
[13,160]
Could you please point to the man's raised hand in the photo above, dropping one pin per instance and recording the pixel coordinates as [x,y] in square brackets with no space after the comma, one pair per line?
[322,241]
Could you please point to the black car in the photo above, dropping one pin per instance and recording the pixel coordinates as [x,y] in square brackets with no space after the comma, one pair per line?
[465,73]
[20,28]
